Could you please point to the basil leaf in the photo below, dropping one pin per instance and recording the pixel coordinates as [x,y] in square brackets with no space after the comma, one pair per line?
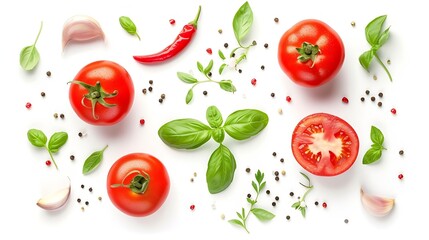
[200,67]
[56,141]
[373,29]
[296,205]
[93,161]
[236,222]
[227,86]
[184,133]
[37,138]
[366,58]
[129,26]
[372,155]
[222,67]
[220,170]
[303,211]
[377,136]
[29,56]
[262,215]
[214,117]
[186,77]
[189,96]
[209,67]
[221,55]
[383,37]
[243,20]
[243,124]
[218,135]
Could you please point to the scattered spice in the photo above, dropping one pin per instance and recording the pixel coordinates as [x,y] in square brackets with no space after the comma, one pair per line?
[82,208]
[291,194]
[62,116]
[150,82]
[362,99]
[209,51]
[367,92]
[163,96]
[276,173]
[160,100]
[401,152]
[273,94]
[90,189]
[262,67]
[282,160]
[150,89]
[353,23]
[324,205]
[274,154]
[393,111]
[28,105]
[205,93]
[268,192]
[209,74]
[373,98]
[388,61]
[345,100]
[42,94]
[283,172]
[240,71]
[253,81]
[225,45]
[142,121]
[86,203]
[82,186]
[288,99]
[80,134]
[195,174]
[380,94]
[287,217]
[192,207]
[254,43]
[277,178]
[316,203]
[192,179]
[172,21]
[277,198]
[48,73]
[266,45]
[79,200]
[249,195]
[274,204]
[380,104]
[219,31]
[346,221]
[48,163]
[247,170]
[55,115]
[276,19]
[400,176]
[71,157]
[374,77]
[100,198]
[144,90]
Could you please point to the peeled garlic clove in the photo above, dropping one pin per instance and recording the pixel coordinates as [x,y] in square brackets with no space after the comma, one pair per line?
[81,28]
[376,205]
[55,200]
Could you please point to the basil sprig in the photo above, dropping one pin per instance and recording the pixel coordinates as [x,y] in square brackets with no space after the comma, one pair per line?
[190,133]
[38,139]
[374,153]
[93,161]
[29,56]
[376,37]
[128,25]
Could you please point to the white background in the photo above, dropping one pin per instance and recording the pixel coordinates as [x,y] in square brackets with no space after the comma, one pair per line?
[23,172]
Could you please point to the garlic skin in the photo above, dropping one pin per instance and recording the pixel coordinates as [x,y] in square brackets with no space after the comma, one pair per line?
[376,205]
[81,28]
[55,200]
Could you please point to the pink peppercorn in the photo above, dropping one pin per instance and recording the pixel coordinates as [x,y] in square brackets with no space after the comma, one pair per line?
[345,100]
[28,105]
[142,121]
[253,81]
[209,51]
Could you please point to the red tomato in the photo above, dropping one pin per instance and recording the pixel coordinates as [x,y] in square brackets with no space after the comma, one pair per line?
[102,93]
[138,184]
[311,53]
[324,144]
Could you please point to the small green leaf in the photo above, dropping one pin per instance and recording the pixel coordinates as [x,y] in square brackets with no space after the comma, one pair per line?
[200,67]
[236,222]
[242,22]
[255,186]
[262,186]
[371,156]
[209,67]
[366,58]
[373,29]
[186,77]
[218,135]
[246,123]
[184,133]
[227,86]
[222,67]
[377,136]
[189,96]
[259,176]
[37,137]
[128,25]
[243,213]
[239,215]
[303,211]
[262,215]
[29,56]
[56,141]
[296,205]
[221,54]
[383,37]
[93,161]
[220,169]
[251,201]
[214,117]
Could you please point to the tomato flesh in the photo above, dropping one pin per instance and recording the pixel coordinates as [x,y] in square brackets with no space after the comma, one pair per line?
[325,144]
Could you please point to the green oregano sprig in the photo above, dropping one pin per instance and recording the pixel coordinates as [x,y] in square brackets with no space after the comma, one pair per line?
[374,153]
[242,22]
[261,214]
[376,38]
[38,139]
[206,71]
[300,204]
[190,133]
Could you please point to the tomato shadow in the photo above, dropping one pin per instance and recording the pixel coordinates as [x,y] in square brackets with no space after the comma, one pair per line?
[326,91]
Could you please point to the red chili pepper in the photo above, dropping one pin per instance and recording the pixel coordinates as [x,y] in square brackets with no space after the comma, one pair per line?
[181,41]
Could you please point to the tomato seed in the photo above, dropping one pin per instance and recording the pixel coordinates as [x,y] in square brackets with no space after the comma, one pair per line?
[55,115]
[48,163]
[100,198]
[172,21]
[192,207]
[400,176]
[324,205]
[388,61]
[219,31]
[374,77]
[353,23]
[253,81]
[393,111]
[283,172]
[28,105]
[345,100]
[288,99]
[142,121]
[209,51]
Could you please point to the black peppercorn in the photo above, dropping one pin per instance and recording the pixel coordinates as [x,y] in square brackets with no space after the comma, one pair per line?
[273,94]
[78,200]
[277,178]
[276,20]
[287,217]
[144,90]
[240,71]
[163,96]
[277,198]
[367,92]
[48,73]
[150,82]
[86,203]
[90,189]
[42,94]
[373,99]
[62,116]
[380,94]
[267,192]
[362,99]
[80,134]
[266,45]
[210,74]
[401,152]
[291,194]
[205,93]
[82,186]
[150,89]
[274,154]
[225,45]
[247,170]
[282,160]
[380,104]
[71,157]
[249,195]
[160,100]
[274,204]
[316,203]
[262,67]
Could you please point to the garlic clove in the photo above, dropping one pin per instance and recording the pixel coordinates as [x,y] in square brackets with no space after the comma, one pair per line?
[376,205]
[81,28]
[55,200]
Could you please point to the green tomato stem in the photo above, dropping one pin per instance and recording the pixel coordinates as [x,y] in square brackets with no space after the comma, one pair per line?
[384,66]
[52,157]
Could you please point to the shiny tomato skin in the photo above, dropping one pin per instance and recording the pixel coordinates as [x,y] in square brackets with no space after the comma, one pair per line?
[324,144]
[138,204]
[111,76]
[327,63]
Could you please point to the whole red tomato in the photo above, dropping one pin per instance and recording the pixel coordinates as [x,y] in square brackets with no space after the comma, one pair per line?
[138,184]
[324,144]
[311,53]
[102,93]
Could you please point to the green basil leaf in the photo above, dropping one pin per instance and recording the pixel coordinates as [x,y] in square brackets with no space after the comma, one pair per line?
[184,133]
[262,215]
[296,205]
[377,136]
[93,161]
[56,141]
[373,29]
[220,169]
[209,67]
[227,86]
[222,67]
[29,57]
[366,58]
[371,156]
[242,22]
[221,55]
[303,210]
[128,25]
[189,96]
[186,77]
[200,67]
[37,138]
[243,124]
[236,222]
[214,117]
[218,134]
[383,37]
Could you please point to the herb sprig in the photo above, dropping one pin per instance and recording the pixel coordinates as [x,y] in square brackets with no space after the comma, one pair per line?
[190,133]
[206,71]
[374,153]
[29,56]
[376,38]
[38,139]
[128,25]
[261,214]
[300,204]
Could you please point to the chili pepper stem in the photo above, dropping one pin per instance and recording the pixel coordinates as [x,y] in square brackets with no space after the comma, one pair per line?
[195,21]
[384,66]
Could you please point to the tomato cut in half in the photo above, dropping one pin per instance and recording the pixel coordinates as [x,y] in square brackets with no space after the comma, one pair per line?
[324,144]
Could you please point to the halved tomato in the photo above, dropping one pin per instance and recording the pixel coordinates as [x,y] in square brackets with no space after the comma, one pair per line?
[324,144]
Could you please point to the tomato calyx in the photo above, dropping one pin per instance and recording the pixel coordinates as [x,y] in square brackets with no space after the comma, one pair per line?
[138,183]
[96,94]
[308,52]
